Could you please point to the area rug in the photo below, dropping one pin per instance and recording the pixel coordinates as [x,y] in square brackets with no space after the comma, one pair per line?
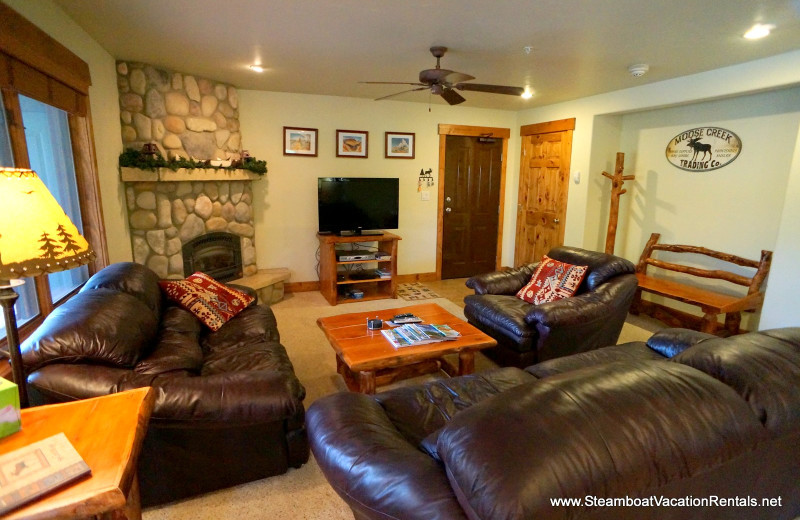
[415,291]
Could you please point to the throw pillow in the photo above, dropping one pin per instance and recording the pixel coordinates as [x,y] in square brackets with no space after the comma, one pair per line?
[213,303]
[553,280]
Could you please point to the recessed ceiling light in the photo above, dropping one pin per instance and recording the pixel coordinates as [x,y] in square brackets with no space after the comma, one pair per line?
[527,94]
[759,30]
[257,68]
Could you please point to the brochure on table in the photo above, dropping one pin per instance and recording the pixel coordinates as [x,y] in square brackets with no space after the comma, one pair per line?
[413,334]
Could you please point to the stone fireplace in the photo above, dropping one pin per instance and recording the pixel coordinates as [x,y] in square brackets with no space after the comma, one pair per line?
[167,210]
[191,117]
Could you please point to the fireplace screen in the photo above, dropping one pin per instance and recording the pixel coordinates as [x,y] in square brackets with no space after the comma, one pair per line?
[218,254]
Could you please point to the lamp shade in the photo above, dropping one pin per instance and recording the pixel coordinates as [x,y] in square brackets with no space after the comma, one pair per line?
[36,236]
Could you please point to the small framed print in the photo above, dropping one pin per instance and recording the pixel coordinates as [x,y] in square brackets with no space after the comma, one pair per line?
[399,145]
[351,143]
[299,141]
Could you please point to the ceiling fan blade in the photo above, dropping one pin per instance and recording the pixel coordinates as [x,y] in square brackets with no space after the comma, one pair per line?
[452,97]
[492,89]
[456,77]
[403,92]
[393,83]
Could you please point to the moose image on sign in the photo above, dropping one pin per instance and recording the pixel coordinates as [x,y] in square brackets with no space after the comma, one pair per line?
[703,149]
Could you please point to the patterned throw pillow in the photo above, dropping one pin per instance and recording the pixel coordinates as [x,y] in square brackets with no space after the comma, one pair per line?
[213,303]
[553,280]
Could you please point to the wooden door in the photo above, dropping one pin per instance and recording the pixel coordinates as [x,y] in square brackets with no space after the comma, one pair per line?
[471,205]
[543,188]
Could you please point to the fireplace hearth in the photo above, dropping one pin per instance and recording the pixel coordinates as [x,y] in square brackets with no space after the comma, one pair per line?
[217,254]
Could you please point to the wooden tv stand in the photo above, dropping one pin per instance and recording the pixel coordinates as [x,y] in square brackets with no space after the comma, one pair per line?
[336,277]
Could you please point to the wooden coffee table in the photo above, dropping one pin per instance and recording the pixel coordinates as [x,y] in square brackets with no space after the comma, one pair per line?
[366,359]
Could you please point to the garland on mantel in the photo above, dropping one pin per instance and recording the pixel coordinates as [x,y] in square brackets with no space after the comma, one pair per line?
[132,158]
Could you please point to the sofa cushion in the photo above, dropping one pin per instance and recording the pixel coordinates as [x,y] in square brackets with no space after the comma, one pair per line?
[178,345]
[553,280]
[602,266]
[213,303]
[132,278]
[100,326]
[762,367]
[614,430]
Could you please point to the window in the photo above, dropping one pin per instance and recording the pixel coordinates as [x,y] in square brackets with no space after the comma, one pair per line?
[45,126]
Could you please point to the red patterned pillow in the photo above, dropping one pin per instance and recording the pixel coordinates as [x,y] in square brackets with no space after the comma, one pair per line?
[213,303]
[553,280]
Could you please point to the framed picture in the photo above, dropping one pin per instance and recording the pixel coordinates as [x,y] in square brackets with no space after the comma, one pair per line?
[399,145]
[351,143]
[299,141]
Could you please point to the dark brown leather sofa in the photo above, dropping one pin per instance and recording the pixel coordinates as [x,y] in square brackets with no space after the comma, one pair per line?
[665,430]
[229,408]
[527,333]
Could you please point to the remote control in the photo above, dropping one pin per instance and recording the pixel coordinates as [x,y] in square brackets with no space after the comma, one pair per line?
[410,319]
[406,315]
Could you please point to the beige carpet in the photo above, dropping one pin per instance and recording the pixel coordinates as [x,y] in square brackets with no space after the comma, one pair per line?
[304,493]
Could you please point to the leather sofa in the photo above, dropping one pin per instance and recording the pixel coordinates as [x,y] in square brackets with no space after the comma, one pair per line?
[668,429]
[527,333]
[229,408]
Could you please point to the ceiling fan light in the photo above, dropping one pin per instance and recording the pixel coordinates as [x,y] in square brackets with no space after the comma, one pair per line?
[527,94]
[758,31]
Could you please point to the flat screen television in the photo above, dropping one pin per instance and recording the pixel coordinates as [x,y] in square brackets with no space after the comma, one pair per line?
[357,205]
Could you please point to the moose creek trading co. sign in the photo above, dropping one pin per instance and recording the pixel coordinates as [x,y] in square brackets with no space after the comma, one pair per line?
[703,149]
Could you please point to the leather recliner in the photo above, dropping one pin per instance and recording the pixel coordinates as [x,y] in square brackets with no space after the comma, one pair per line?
[527,333]
[228,409]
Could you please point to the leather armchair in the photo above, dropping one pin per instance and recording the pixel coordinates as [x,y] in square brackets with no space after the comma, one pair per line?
[527,333]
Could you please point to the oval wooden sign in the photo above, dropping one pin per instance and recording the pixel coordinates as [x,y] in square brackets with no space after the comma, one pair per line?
[703,149]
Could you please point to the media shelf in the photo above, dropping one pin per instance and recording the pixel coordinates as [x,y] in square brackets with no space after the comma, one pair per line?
[335,289]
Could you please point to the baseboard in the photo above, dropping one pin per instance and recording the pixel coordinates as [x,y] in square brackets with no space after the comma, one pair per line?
[401,278]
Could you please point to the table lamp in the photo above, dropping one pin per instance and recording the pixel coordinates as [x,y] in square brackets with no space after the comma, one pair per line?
[36,237]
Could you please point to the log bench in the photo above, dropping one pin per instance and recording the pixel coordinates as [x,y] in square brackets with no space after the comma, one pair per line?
[711,303]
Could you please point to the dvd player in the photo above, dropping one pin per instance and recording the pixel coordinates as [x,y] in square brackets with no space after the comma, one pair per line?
[350,256]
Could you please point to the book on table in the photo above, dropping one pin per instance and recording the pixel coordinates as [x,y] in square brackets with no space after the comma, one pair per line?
[29,472]
[412,334]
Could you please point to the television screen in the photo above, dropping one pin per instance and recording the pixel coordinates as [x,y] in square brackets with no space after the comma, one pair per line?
[357,205]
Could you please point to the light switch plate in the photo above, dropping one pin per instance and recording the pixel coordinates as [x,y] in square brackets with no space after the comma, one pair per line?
[425,195]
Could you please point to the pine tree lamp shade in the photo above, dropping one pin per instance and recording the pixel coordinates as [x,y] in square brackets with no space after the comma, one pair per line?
[36,237]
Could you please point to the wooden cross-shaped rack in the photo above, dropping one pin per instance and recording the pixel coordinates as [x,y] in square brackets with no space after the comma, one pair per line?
[617,180]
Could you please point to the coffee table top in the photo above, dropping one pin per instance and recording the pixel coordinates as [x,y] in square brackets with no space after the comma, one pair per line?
[363,349]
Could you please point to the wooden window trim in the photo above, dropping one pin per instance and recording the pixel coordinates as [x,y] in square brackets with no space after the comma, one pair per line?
[37,66]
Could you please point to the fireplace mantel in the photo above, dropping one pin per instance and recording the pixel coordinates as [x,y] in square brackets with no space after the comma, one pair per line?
[186,174]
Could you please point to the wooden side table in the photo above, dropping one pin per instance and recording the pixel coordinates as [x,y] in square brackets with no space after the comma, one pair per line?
[107,432]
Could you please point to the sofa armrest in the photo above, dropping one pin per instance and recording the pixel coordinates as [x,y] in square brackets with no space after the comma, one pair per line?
[372,466]
[586,307]
[502,282]
[671,342]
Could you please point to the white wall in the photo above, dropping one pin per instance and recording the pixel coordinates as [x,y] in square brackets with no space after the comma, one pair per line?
[285,203]
[738,209]
[780,308]
[104,107]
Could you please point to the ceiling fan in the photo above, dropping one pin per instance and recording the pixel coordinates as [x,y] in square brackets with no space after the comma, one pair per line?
[443,82]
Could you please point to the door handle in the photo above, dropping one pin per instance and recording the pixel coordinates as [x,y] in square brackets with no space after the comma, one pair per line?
[447,210]
[556,221]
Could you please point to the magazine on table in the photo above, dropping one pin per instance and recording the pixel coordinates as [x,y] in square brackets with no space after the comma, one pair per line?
[412,334]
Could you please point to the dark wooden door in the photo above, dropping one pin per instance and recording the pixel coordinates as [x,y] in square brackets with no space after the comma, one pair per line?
[471,205]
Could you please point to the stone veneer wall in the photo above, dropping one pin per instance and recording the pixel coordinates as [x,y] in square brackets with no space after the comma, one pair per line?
[165,215]
[182,114]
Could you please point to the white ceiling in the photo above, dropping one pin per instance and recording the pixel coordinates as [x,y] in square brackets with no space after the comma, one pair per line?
[579,47]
